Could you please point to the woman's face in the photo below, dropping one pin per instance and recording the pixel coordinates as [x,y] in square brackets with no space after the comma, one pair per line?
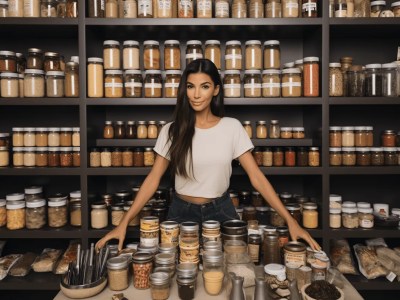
[200,90]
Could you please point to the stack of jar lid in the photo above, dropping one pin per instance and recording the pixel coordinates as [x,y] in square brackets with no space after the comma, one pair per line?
[287,156]
[149,232]
[376,9]
[39,9]
[40,146]
[211,231]
[117,157]
[30,210]
[275,131]
[342,151]
[189,242]
[132,129]
[41,74]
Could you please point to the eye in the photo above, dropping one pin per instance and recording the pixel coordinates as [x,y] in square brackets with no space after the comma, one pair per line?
[189,86]
[206,87]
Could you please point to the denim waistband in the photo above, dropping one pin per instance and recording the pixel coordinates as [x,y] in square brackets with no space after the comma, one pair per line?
[212,203]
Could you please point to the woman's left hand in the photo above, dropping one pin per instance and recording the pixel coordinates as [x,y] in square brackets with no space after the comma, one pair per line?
[297,232]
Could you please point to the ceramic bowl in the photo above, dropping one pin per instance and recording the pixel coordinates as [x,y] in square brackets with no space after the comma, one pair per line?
[84,290]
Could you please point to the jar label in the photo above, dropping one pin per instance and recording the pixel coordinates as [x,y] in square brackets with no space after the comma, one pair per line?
[341,13]
[164,4]
[153,85]
[204,5]
[171,85]
[366,223]
[133,84]
[295,258]
[254,251]
[194,55]
[222,9]
[271,85]
[149,242]
[103,5]
[145,7]
[113,85]
[291,84]
[129,8]
[252,86]
[309,7]
[292,5]
[232,86]
[233,56]
[186,5]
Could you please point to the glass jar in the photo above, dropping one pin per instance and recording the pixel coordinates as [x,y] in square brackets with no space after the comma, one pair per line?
[65,157]
[185,9]
[29,136]
[213,271]
[118,273]
[152,130]
[291,82]
[370,135]
[272,55]
[256,9]
[130,132]
[29,157]
[258,155]
[4,140]
[278,159]
[340,9]
[142,267]
[96,9]
[239,9]
[48,9]
[72,80]
[9,85]
[18,156]
[15,215]
[360,136]
[286,132]
[348,156]
[335,156]
[310,9]
[213,52]
[4,157]
[34,85]
[204,9]
[159,283]
[130,55]
[53,137]
[193,51]
[273,9]
[127,158]
[153,84]
[365,218]
[253,55]
[95,158]
[290,8]
[294,210]
[65,137]
[274,129]
[267,157]
[302,157]
[72,8]
[51,62]
[247,126]
[313,157]
[249,213]
[151,55]
[105,157]
[21,61]
[335,218]
[95,80]
[145,9]
[348,136]
[390,156]
[141,130]
[138,157]
[377,156]
[35,59]
[99,215]
[41,158]
[396,8]
[76,136]
[232,84]
[252,84]
[233,55]
[111,55]
[55,84]
[8,62]
[119,130]
[172,80]
[335,80]
[222,9]
[290,157]
[311,77]
[172,55]
[271,83]
[298,133]
[244,198]
[261,129]
[373,80]
[310,215]
[18,136]
[76,213]
[389,80]
[355,81]
[116,157]
[133,83]
[76,156]
[350,217]
[35,214]
[57,213]
[113,84]
[363,157]
[388,138]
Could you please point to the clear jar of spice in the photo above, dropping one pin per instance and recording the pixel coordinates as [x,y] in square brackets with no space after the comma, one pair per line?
[213,52]
[41,157]
[51,62]
[172,79]
[15,215]
[239,9]
[53,137]
[373,80]
[290,157]
[274,129]
[35,214]
[232,84]
[193,51]
[360,136]
[130,55]
[95,158]
[35,59]
[72,80]
[273,9]
[271,83]
[18,156]
[55,84]
[118,273]
[291,82]
[377,156]
[8,61]
[290,8]
[222,9]
[277,155]
[153,84]
[256,9]
[76,212]
[350,217]
[258,155]
[142,267]
[4,156]
[95,77]
[117,213]
[76,136]
[9,85]
[365,218]
[29,136]
[111,55]
[335,136]
[65,157]
[152,130]
[76,156]
[130,132]
[185,9]
[65,137]
[309,9]
[348,156]
[99,215]
[286,132]
[355,81]
[363,157]
[57,213]
[313,157]
[148,157]
[116,158]
[127,158]
[138,157]
[335,80]
[389,80]
[388,138]
[233,55]
[261,129]
[272,55]
[298,133]
[335,156]
[247,126]
[391,158]
[34,85]
[253,55]
[119,130]
[310,215]
[105,157]
[151,55]
[18,136]
[113,84]
[311,77]
[53,157]
[252,84]
[335,218]
[172,55]
[29,157]
[396,8]
[133,83]
[348,136]
[267,157]
[141,130]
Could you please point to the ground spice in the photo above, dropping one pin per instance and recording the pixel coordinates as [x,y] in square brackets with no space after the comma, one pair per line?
[278,157]
[311,77]
[290,157]
[258,155]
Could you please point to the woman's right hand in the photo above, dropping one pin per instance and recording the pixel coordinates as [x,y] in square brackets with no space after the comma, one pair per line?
[118,233]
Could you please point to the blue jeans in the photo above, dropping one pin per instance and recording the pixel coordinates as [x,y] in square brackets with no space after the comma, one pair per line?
[219,209]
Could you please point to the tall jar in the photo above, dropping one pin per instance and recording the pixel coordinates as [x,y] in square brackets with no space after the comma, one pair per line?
[35,214]
[16,8]
[389,80]
[163,9]
[113,84]
[55,84]
[35,59]
[160,285]
[133,83]
[261,130]
[291,82]
[271,83]
[213,271]
[274,129]
[111,55]
[96,9]
[72,80]
[302,157]
[151,55]
[213,52]
[193,51]
[272,55]
[222,9]
[256,9]
[172,55]
[355,81]
[95,77]
[130,130]
[15,215]
[172,80]
[142,267]
[239,9]
[253,55]
[34,85]
[153,84]
[48,9]
[111,8]
[313,157]
[373,80]
[233,55]
[31,8]
[273,9]
[290,8]
[335,80]
[311,77]
[118,273]
[252,84]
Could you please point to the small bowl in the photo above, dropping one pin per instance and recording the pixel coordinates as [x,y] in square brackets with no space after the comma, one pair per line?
[306,297]
[84,290]
[234,227]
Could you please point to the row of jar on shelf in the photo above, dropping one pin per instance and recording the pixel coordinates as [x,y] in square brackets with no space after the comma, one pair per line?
[39,8]
[363,9]
[364,156]
[274,129]
[203,9]
[287,156]
[132,129]
[31,210]
[371,80]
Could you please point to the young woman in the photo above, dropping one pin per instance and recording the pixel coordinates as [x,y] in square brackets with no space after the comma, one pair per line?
[199,146]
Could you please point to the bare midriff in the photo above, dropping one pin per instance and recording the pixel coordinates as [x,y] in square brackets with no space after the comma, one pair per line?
[194,200]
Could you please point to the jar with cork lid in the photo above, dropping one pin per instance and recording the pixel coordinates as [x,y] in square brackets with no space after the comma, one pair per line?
[232,84]
[233,55]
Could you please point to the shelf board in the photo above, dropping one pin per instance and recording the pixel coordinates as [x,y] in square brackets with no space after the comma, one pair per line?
[33,281]
[364,101]
[388,170]
[39,101]
[130,101]
[282,142]
[65,232]
[283,171]
[361,283]
[118,171]
[364,233]
[40,21]
[40,171]
[363,21]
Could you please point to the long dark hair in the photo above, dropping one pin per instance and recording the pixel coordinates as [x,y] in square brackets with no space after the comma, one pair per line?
[182,129]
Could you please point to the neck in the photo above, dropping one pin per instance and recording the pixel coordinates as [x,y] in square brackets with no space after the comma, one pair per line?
[204,117]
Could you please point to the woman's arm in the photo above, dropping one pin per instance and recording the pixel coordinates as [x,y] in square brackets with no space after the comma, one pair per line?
[262,185]
[146,191]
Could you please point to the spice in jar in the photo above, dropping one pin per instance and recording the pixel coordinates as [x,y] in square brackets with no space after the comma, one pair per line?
[313,157]
[252,83]
[113,84]
[348,136]
[41,158]
[233,55]
[193,51]
[138,157]
[119,130]
[185,9]
[309,9]
[172,55]
[95,158]
[99,215]
[258,155]
[272,55]
[290,8]
[152,130]
[133,83]
[4,157]
[34,85]
[95,77]
[29,136]
[232,84]
[389,80]
[290,157]
[311,77]
[388,138]
[65,137]
[377,156]
[355,81]
[239,9]
[390,156]
[153,84]
[55,84]
[130,132]
[9,85]
[53,137]
[204,9]
[298,133]
[274,129]
[261,129]
[247,126]
[335,80]
[130,55]
[141,130]
[348,156]
[295,254]
[286,132]
[76,213]
[291,82]
[57,213]
[105,158]
[335,218]
[151,55]
[72,80]
[271,83]
[142,267]
[127,158]
[118,273]
[222,9]
[253,55]
[310,215]
[335,156]
[335,136]
[267,157]
[273,9]
[278,157]
[116,158]
[363,157]
[373,80]
[350,217]
[51,62]
[365,217]
[172,80]
[65,156]
[111,55]
[29,157]
[213,52]
[76,157]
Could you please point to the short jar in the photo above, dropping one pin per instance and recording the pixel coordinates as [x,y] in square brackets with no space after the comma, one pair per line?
[335,218]
[9,85]
[57,213]
[99,215]
[350,217]
[35,214]
[172,80]
[286,132]
[111,55]
[113,84]
[133,83]
[118,273]
[363,156]
[153,84]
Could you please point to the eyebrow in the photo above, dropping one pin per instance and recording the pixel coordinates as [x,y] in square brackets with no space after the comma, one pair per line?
[188,82]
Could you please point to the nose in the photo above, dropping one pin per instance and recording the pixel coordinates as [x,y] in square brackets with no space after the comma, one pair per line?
[197,93]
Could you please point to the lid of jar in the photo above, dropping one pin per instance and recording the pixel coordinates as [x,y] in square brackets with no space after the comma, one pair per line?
[123,194]
[117,263]
[389,131]
[18,149]
[246,122]
[314,148]
[288,65]
[263,208]
[110,42]
[282,230]
[57,197]
[355,68]
[29,129]
[58,203]
[51,54]
[33,71]
[373,66]
[169,224]
[35,50]
[253,42]
[159,278]
[151,42]
[95,60]
[335,210]
[114,72]
[193,42]
[362,149]
[165,258]
[373,3]
[98,205]
[348,149]
[360,128]
[349,210]
[261,122]
[53,129]
[131,43]
[298,128]
[271,72]
[7,53]
[30,149]
[15,204]
[9,75]
[76,129]
[389,66]
[41,129]
[291,71]
[35,203]
[152,72]
[286,128]
[141,122]
[4,134]
[119,122]
[395,4]
[74,59]
[271,42]
[336,198]
[17,129]
[211,224]
[3,148]
[295,246]
[3,203]
[299,62]
[348,128]
[66,129]
[365,210]
[310,205]
[335,65]
[173,72]
[189,226]
[55,73]
[376,149]
[292,207]
[75,194]
[379,206]
[33,190]
[186,269]
[76,149]
[285,195]
[311,59]
[335,128]
[75,204]
[171,42]
[142,257]
[335,149]
[389,149]
[167,247]
[232,72]
[212,42]
[133,72]
[349,204]
[152,122]
[213,255]
[53,149]
[117,207]
[65,149]
[15,197]
[249,208]
[256,72]
[233,42]
[396,211]
[276,270]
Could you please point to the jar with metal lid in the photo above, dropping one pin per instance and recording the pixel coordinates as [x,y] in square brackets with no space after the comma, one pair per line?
[193,51]
[348,156]
[350,217]
[172,55]
[152,130]
[186,286]
[61,8]
[222,9]
[335,156]
[213,271]
[286,132]
[388,138]
[159,283]
[172,80]
[348,136]
[153,84]
[76,213]
[271,248]
[119,130]
[213,52]
[261,129]
[116,157]
[131,55]
[111,55]
[35,214]
[377,156]
[99,215]
[276,219]
[295,254]
[244,198]
[117,213]
[335,218]
[363,156]
[53,137]
[390,156]
[290,157]
[272,55]
[239,9]
[335,136]
[141,130]
[55,84]
[76,156]
[41,157]
[247,126]
[249,213]
[253,55]
[294,210]
[148,157]
[166,262]
[278,157]
[252,84]
[298,133]
[267,157]
[310,215]
[51,62]
[274,129]
[95,158]
[105,157]
[335,80]
[48,9]
[34,85]
[29,136]
[256,199]
[76,136]
[273,9]
[365,218]
[57,214]
[355,81]
[35,59]
[65,157]
[291,82]
[369,132]
[290,8]
[311,77]
[271,83]
[335,201]
[232,84]
[376,8]
[151,55]
[233,55]
[142,267]
[113,84]
[263,215]
[18,136]
[396,8]
[29,157]
[71,80]
[118,273]
[18,156]
[8,62]
[53,157]
[66,136]
[41,137]
[373,80]
[313,157]
[9,85]
[360,136]
[95,77]
[138,157]
[15,215]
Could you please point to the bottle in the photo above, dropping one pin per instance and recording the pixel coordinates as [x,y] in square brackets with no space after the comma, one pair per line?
[237,288]
[260,292]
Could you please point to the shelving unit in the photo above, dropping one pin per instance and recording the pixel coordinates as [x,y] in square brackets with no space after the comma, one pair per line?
[326,38]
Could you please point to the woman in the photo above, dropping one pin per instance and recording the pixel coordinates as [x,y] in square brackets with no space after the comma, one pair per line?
[199,146]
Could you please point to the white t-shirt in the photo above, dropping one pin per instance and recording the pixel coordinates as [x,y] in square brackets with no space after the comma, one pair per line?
[213,150]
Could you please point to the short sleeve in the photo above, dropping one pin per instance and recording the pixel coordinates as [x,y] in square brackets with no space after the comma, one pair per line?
[241,141]
[163,143]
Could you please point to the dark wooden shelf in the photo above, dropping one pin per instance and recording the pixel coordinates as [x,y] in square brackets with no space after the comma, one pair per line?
[364,101]
[361,283]
[365,170]
[363,21]
[32,282]
[282,142]
[39,101]
[40,21]
[66,232]
[40,171]
[364,233]
[118,171]
[130,101]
